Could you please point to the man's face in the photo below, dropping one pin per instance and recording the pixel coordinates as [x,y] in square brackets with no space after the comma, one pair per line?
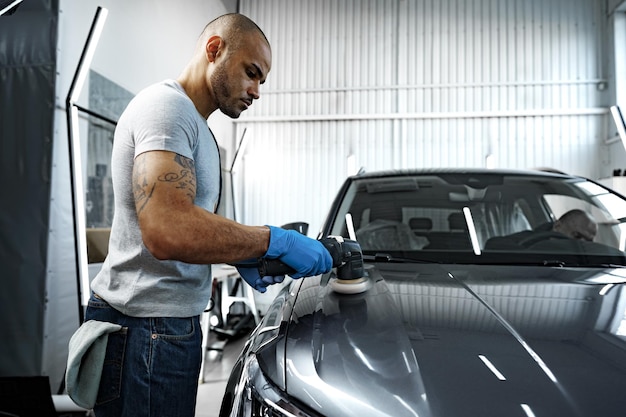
[237,77]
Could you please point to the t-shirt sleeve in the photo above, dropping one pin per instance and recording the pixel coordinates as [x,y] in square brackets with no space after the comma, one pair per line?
[164,121]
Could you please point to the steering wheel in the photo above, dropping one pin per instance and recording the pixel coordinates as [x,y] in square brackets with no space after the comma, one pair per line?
[539,237]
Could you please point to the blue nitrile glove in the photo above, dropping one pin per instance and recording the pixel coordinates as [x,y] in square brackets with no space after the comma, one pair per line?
[273,280]
[252,277]
[307,256]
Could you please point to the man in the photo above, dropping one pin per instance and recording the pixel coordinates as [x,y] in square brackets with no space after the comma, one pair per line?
[575,224]
[156,280]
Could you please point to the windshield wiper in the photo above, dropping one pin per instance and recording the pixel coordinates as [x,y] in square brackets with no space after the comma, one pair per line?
[385,257]
[554,262]
[559,263]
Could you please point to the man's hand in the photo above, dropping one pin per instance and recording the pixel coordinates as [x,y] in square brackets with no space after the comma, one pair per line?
[308,257]
[252,277]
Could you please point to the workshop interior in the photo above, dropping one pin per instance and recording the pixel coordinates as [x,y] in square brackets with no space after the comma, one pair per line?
[409,137]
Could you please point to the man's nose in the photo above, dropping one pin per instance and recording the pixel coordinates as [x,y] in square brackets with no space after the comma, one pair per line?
[254,90]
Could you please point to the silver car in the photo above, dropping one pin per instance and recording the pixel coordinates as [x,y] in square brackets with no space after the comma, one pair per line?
[475,300]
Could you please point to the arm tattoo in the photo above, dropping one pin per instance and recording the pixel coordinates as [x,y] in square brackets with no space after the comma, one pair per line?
[185,179]
[142,191]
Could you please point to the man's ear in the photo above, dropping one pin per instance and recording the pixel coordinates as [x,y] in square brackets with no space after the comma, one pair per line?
[213,47]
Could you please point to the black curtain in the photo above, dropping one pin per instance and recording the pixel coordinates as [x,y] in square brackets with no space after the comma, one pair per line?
[28,41]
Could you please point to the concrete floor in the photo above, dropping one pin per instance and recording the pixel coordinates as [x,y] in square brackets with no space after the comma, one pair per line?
[217,369]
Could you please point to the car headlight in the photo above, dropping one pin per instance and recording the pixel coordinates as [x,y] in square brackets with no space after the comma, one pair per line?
[261,398]
[263,407]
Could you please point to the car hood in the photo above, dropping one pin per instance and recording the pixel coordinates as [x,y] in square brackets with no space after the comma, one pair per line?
[437,340]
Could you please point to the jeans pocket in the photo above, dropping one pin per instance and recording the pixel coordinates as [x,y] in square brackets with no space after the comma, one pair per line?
[111,380]
[175,328]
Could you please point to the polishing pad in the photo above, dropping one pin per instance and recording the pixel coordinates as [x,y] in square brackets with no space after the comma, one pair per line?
[349,286]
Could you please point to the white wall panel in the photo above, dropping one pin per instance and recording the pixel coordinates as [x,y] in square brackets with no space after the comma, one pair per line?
[420,83]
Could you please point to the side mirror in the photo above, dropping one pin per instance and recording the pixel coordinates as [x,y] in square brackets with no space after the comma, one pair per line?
[300,227]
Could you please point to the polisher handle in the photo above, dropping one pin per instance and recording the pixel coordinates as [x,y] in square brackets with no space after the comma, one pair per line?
[274,267]
[346,254]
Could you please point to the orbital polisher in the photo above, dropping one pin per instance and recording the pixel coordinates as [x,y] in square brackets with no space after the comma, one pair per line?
[347,258]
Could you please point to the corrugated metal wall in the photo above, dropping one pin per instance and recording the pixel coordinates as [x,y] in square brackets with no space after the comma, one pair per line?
[418,83]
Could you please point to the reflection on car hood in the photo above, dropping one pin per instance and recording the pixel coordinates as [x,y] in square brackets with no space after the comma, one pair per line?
[460,340]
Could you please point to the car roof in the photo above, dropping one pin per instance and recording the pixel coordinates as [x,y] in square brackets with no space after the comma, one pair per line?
[460,171]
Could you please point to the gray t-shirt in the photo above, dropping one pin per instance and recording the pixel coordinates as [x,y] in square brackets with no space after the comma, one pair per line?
[161,117]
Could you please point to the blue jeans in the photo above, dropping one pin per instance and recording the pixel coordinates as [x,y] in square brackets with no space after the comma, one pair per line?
[151,366]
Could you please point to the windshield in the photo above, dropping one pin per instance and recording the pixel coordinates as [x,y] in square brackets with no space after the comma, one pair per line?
[484,217]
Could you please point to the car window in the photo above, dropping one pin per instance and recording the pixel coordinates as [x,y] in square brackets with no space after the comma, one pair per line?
[457,217]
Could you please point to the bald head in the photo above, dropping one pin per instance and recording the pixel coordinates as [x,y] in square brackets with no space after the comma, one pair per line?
[577,224]
[233,28]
